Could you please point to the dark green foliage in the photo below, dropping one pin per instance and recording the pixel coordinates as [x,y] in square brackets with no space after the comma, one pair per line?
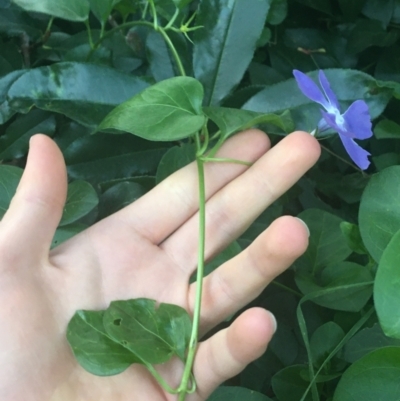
[91,87]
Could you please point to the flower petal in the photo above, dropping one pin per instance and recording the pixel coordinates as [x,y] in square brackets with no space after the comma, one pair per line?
[330,120]
[323,80]
[310,88]
[356,152]
[358,120]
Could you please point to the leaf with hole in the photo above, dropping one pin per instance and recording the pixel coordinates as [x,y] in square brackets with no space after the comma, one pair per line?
[153,333]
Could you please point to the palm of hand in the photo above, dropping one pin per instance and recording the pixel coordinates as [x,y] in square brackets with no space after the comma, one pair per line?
[146,250]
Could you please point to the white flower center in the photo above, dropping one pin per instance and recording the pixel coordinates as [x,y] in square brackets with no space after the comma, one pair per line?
[339,119]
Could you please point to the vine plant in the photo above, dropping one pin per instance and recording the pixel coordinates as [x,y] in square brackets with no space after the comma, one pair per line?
[139,330]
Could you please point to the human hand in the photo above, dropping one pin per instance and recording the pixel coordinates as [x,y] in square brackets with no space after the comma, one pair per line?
[148,249]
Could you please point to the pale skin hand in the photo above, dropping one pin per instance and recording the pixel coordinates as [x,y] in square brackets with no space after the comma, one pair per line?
[146,250]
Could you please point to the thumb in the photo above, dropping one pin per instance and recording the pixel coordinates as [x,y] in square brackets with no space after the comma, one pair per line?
[36,208]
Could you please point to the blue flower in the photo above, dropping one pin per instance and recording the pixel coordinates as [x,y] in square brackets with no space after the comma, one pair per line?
[354,123]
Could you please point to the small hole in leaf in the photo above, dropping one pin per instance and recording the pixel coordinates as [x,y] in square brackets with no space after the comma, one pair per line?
[117,322]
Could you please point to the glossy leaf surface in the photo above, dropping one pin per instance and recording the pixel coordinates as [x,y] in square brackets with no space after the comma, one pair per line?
[9,180]
[152,333]
[387,288]
[231,30]
[83,92]
[81,199]
[73,10]
[230,121]
[379,214]
[167,111]
[94,349]
[371,376]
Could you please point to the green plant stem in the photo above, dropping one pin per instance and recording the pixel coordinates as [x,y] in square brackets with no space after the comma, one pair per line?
[226,160]
[199,283]
[288,289]
[173,19]
[142,23]
[173,51]
[116,29]
[344,160]
[345,339]
[154,11]
[49,25]
[160,380]
[89,31]
[304,333]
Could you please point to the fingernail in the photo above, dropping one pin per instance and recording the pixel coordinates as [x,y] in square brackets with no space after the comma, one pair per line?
[305,225]
[274,322]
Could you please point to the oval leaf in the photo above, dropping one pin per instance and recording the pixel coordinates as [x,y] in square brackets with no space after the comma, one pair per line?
[73,10]
[81,199]
[73,89]
[372,377]
[9,180]
[387,288]
[225,393]
[230,121]
[154,334]
[167,111]
[231,29]
[94,349]
[380,203]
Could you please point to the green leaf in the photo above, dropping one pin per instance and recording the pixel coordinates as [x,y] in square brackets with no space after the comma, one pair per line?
[347,286]
[9,180]
[225,393]
[152,333]
[102,8]
[288,384]
[327,244]
[349,85]
[374,9]
[379,215]
[174,159]
[368,33]
[73,89]
[158,56]
[102,157]
[277,12]
[352,235]
[73,10]
[388,66]
[387,288]
[6,112]
[387,129]
[230,121]
[15,142]
[14,22]
[64,233]
[373,377]
[324,340]
[386,160]
[167,111]
[320,5]
[227,254]
[229,37]
[182,3]
[351,8]
[366,341]
[94,349]
[118,196]
[81,199]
